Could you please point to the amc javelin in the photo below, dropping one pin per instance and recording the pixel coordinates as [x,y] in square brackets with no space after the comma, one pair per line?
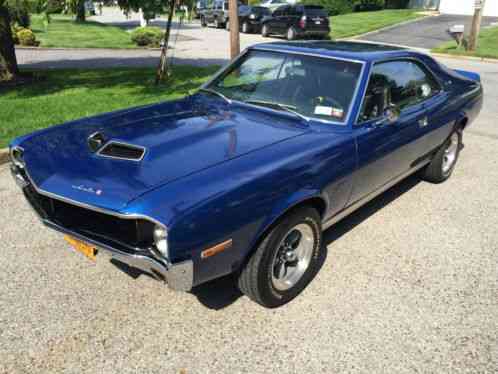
[242,176]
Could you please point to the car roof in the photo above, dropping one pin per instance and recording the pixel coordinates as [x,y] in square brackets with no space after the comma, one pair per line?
[359,51]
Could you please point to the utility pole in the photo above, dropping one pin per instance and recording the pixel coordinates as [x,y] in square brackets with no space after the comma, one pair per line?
[476,25]
[233,18]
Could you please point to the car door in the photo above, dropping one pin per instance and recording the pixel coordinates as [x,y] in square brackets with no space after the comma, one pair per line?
[388,148]
[280,21]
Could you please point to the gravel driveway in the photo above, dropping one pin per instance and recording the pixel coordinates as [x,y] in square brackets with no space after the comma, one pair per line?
[409,285]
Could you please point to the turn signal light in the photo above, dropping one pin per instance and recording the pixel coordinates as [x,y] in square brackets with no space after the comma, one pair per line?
[216,249]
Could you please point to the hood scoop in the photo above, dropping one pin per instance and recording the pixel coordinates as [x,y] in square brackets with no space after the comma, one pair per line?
[122,151]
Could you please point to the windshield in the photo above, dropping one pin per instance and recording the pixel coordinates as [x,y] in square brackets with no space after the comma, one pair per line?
[311,86]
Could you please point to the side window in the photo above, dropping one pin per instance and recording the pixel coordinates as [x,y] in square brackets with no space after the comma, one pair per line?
[402,83]
[285,10]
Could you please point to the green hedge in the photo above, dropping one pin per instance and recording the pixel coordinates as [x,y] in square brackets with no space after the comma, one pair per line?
[147,36]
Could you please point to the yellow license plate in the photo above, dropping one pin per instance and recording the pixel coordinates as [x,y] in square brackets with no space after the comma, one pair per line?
[85,249]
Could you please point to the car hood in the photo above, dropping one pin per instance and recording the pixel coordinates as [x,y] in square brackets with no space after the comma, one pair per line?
[180,138]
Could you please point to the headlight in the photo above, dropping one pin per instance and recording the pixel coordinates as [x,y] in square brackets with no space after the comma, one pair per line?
[252,16]
[16,156]
[161,240]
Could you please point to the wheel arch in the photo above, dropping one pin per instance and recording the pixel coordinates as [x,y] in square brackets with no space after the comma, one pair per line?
[311,199]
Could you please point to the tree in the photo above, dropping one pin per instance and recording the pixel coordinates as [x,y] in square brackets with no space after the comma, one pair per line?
[476,25]
[8,62]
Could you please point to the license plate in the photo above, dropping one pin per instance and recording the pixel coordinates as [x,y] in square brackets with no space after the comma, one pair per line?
[86,249]
[318,22]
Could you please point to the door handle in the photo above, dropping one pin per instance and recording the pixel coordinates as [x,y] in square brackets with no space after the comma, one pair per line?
[424,121]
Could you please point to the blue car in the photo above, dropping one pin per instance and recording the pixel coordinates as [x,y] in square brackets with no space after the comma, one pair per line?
[244,175]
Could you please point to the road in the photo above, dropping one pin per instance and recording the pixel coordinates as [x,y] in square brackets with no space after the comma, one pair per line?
[427,33]
[409,284]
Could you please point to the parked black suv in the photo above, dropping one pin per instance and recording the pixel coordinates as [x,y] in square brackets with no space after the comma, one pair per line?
[295,21]
[215,14]
[251,17]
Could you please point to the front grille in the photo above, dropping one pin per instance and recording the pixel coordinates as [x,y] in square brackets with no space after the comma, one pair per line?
[123,151]
[120,233]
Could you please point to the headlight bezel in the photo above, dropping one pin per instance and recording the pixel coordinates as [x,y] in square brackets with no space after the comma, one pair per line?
[160,239]
[16,156]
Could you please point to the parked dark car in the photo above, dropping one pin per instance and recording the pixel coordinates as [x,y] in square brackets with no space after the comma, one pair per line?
[242,176]
[251,17]
[215,14]
[297,21]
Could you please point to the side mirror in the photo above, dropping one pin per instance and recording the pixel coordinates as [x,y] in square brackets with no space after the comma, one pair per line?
[391,114]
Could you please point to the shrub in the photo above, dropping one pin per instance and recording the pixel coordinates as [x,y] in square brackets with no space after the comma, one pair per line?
[333,7]
[368,5]
[14,34]
[19,12]
[147,36]
[27,37]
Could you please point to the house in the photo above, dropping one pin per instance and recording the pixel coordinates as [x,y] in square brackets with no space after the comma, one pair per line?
[467,7]
[464,7]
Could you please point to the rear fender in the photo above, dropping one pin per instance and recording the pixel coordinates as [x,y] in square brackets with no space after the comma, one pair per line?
[469,75]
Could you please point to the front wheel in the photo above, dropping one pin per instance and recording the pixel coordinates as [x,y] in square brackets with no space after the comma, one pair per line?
[265,31]
[291,33]
[444,161]
[285,261]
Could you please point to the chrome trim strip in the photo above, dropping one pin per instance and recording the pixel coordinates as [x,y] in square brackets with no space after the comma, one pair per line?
[357,87]
[110,142]
[351,208]
[91,207]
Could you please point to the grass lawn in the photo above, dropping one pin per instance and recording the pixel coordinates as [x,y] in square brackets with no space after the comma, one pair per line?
[359,23]
[62,31]
[70,94]
[487,47]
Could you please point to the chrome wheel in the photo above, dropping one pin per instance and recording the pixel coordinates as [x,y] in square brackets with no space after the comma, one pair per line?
[293,257]
[450,153]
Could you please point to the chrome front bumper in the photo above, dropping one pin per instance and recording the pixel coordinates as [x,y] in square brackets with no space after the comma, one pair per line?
[179,276]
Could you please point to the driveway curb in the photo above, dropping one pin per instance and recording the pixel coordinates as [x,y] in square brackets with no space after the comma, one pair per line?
[4,156]
[84,49]
[463,57]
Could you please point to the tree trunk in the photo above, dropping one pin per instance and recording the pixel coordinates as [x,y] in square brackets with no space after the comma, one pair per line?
[8,61]
[162,69]
[80,11]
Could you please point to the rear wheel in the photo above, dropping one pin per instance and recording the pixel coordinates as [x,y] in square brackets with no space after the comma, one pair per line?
[444,161]
[265,31]
[245,28]
[291,33]
[285,261]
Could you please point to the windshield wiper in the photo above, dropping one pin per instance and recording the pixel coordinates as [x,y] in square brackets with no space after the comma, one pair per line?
[282,107]
[213,92]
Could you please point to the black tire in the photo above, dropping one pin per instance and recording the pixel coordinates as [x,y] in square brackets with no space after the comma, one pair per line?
[291,33]
[246,28]
[203,22]
[438,169]
[256,279]
[265,31]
